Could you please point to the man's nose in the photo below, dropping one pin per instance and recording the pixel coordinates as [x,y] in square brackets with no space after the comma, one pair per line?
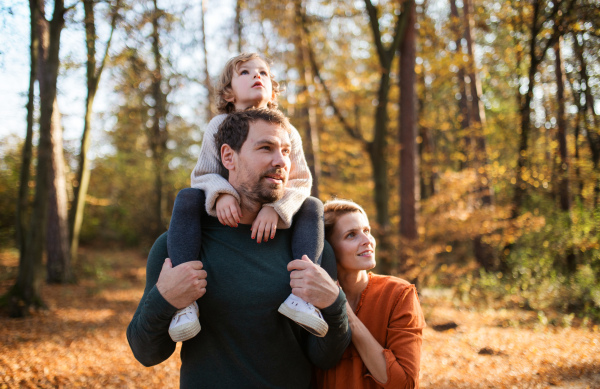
[279,159]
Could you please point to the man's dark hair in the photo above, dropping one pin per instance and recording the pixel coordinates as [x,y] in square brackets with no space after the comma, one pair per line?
[234,129]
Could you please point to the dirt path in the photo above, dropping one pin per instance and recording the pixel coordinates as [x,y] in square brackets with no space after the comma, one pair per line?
[80,341]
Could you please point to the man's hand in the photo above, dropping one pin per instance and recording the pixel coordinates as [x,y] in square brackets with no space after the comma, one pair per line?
[228,210]
[265,224]
[311,283]
[182,285]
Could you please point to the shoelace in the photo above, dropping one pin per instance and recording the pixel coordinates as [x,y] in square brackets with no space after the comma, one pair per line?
[183,312]
[313,309]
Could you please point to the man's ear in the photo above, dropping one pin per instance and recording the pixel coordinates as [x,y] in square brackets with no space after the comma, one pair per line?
[227,157]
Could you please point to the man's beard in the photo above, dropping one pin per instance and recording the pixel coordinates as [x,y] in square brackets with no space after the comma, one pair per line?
[262,191]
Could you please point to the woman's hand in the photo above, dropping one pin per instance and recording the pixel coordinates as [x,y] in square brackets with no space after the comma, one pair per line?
[265,224]
[311,283]
[228,210]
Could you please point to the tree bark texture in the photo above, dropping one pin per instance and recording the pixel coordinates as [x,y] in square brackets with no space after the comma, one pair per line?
[409,193]
[57,237]
[158,132]
[564,191]
[23,203]
[26,291]
[306,113]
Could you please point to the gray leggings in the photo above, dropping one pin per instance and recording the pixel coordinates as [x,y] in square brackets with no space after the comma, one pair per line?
[185,235]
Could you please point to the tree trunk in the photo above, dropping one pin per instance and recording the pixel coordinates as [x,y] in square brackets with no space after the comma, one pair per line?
[57,238]
[207,83]
[93,75]
[25,293]
[463,103]
[484,254]
[409,194]
[563,160]
[306,114]
[23,201]
[238,25]
[159,126]
[564,192]
[590,119]
[427,160]
[525,114]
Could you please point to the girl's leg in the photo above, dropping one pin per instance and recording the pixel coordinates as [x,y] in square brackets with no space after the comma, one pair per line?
[184,235]
[308,237]
[308,231]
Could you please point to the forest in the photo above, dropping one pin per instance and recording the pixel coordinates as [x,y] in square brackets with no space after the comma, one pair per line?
[469,130]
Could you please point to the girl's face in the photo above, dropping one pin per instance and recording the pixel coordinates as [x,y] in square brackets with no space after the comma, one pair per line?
[353,244]
[251,85]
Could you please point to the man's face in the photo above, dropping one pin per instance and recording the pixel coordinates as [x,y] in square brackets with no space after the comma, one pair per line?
[262,166]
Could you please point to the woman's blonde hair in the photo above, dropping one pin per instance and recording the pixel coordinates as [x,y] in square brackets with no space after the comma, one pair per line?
[336,208]
[223,88]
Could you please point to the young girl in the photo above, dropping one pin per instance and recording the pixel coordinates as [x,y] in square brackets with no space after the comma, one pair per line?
[246,82]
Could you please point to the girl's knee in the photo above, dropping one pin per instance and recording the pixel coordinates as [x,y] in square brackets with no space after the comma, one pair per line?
[189,197]
[313,205]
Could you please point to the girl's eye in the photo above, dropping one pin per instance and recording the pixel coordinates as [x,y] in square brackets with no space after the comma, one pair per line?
[263,73]
[244,72]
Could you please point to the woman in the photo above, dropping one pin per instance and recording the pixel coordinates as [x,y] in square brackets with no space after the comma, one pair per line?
[384,312]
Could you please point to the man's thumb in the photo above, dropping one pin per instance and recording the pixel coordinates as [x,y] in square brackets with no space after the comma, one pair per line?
[168,263]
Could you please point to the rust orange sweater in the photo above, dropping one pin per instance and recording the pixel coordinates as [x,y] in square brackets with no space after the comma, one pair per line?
[390,309]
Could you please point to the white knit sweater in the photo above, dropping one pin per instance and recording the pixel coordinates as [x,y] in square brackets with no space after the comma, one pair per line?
[207,175]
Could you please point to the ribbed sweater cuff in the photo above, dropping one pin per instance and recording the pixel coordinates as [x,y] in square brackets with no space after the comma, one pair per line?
[336,312]
[157,307]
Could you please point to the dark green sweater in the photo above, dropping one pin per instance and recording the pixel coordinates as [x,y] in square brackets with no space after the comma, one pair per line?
[244,341]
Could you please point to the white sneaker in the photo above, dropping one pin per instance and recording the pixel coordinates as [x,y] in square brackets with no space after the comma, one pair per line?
[185,324]
[305,314]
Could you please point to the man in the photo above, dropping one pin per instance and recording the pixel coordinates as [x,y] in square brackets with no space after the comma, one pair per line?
[239,284]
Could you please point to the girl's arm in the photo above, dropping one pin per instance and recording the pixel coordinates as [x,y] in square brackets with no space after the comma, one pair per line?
[299,183]
[396,365]
[208,173]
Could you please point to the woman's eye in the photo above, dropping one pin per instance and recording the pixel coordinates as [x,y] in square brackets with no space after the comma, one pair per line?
[350,235]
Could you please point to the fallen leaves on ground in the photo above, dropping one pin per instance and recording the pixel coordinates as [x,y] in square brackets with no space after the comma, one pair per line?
[80,340]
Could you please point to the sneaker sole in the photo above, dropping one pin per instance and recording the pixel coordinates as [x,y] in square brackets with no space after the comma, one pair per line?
[312,324]
[185,332]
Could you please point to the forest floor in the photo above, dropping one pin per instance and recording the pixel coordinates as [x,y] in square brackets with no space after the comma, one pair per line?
[80,340]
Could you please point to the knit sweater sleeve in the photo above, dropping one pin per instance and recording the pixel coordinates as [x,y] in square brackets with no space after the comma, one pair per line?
[326,352]
[147,332]
[299,182]
[402,350]
[208,173]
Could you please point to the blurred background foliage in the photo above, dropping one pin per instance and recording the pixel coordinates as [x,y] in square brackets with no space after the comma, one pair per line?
[504,213]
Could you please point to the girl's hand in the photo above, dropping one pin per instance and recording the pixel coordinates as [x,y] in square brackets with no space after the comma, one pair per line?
[228,210]
[265,224]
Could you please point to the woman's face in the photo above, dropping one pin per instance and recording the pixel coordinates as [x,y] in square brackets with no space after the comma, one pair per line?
[352,242]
